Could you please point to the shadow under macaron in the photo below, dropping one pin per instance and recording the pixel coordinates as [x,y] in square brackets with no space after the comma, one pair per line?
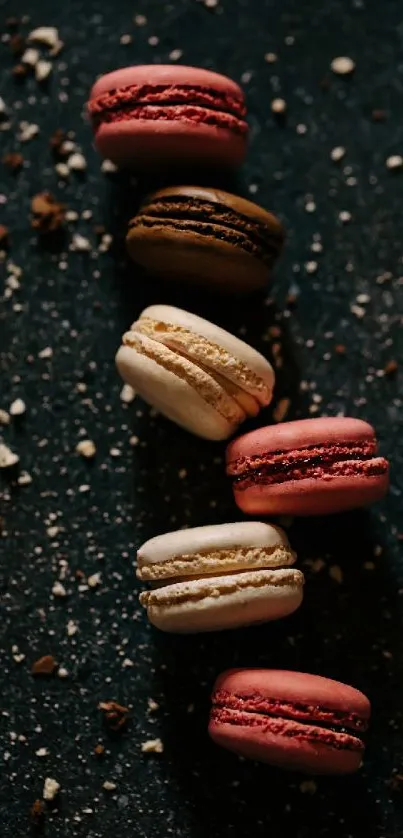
[349,617]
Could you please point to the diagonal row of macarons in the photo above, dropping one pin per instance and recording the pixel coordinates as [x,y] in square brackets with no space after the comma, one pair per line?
[208,381]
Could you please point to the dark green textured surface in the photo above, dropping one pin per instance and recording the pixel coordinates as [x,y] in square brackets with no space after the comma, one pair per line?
[78,304]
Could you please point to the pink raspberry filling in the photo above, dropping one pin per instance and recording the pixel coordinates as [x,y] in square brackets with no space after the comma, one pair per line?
[170,102]
[324,462]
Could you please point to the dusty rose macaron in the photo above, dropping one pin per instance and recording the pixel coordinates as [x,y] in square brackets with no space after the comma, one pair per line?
[307,467]
[290,719]
[155,115]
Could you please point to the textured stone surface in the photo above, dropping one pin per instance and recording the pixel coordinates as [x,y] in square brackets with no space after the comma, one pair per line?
[83,518]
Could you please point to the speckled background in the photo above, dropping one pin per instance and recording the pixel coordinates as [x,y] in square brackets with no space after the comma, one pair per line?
[78,517]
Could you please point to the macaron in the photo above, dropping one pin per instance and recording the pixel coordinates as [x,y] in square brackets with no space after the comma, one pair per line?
[155,115]
[205,236]
[290,720]
[194,372]
[219,577]
[308,467]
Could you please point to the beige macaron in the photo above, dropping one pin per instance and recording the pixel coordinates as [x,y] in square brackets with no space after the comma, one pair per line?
[219,577]
[195,373]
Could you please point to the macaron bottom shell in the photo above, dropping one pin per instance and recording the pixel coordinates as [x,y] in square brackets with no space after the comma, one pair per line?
[190,257]
[286,750]
[312,496]
[174,396]
[214,604]
[155,144]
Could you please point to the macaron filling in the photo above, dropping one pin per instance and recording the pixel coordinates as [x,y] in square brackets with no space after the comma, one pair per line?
[322,462]
[196,590]
[212,219]
[207,356]
[192,103]
[284,718]
[217,562]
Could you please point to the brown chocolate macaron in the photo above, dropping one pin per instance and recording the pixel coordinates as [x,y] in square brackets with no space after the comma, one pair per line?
[206,236]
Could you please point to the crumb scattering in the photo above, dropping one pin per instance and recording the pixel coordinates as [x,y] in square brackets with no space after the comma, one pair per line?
[50,788]
[342,65]
[152,746]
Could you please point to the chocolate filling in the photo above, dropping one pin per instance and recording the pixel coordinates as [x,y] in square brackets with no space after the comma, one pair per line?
[214,220]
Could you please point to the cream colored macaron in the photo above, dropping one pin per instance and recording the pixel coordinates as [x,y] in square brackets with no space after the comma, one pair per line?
[195,373]
[219,577]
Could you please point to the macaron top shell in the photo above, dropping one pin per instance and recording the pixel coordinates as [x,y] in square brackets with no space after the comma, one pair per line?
[300,434]
[215,549]
[164,74]
[235,347]
[297,688]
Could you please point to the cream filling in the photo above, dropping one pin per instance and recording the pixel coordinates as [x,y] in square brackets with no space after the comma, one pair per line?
[207,354]
[216,562]
[198,590]
[200,381]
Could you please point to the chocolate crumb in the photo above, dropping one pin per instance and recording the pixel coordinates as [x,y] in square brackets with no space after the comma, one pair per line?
[12,23]
[396,783]
[340,349]
[390,367]
[19,71]
[47,213]
[4,237]
[56,143]
[13,161]
[17,45]
[44,666]
[378,115]
[37,813]
[99,750]
[115,715]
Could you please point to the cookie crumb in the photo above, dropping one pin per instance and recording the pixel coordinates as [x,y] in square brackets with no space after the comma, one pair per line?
[4,417]
[152,705]
[13,161]
[116,715]
[44,666]
[108,168]
[337,153]
[47,213]
[127,394]
[342,65]
[391,367]
[152,746]
[7,457]
[278,107]
[99,750]
[336,573]
[58,589]
[108,786]
[17,408]
[37,813]
[395,161]
[50,788]
[87,448]
[4,237]
[308,787]
[378,115]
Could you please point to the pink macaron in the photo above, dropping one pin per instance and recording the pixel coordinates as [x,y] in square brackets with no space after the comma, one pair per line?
[308,467]
[155,115]
[290,719]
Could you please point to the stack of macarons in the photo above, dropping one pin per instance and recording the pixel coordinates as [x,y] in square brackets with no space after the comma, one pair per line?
[154,118]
